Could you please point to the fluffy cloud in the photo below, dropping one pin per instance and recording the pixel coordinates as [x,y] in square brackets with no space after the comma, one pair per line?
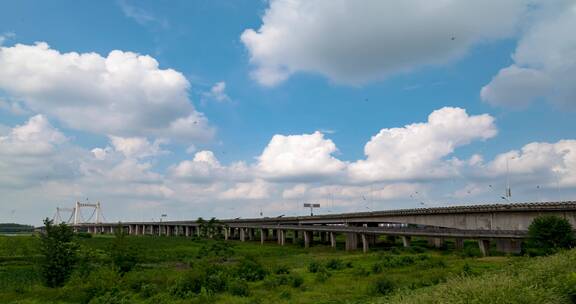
[544,65]
[218,92]
[417,151]
[32,152]
[306,156]
[205,167]
[541,163]
[123,94]
[354,42]
[138,147]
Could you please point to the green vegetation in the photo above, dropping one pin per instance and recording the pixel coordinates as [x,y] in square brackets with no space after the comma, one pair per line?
[58,254]
[11,228]
[549,279]
[63,267]
[548,234]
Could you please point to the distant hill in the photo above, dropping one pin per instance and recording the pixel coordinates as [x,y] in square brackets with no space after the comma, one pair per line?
[15,228]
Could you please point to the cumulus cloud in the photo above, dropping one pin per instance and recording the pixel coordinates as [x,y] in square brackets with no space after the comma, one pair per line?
[138,147]
[205,167]
[418,151]
[31,153]
[124,94]
[218,92]
[305,156]
[354,42]
[544,65]
[540,163]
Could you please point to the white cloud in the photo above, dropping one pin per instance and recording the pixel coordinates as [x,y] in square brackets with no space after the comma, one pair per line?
[541,163]
[138,147]
[257,189]
[354,42]
[218,92]
[205,168]
[306,156]
[124,94]
[140,15]
[544,65]
[418,151]
[5,36]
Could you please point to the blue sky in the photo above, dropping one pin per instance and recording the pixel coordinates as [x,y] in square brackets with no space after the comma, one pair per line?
[332,80]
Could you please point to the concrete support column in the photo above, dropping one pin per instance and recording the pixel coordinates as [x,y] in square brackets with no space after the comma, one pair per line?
[281,237]
[295,237]
[263,236]
[198,231]
[251,234]
[242,235]
[406,240]
[112,229]
[436,242]
[332,239]
[351,241]
[458,243]
[307,238]
[274,234]
[484,247]
[509,246]
[364,243]
[225,233]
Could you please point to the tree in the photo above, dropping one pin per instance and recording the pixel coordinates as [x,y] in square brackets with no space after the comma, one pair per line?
[59,253]
[549,233]
[123,255]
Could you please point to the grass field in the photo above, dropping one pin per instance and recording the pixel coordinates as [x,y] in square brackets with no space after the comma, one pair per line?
[168,269]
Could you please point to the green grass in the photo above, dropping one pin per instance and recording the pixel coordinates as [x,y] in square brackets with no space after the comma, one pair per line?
[344,277]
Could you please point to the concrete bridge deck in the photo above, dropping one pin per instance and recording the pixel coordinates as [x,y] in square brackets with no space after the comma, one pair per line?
[506,224]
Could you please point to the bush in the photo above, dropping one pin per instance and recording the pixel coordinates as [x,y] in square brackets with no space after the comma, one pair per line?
[250,270]
[277,280]
[83,235]
[550,233]
[221,250]
[314,266]
[296,280]
[383,286]
[123,255]
[191,282]
[282,269]
[59,254]
[239,288]
[377,267]
[322,275]
[335,264]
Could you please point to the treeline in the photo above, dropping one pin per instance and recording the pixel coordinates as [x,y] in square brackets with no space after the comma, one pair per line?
[15,228]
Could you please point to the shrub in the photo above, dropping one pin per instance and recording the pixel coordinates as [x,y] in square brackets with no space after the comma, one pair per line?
[123,255]
[220,249]
[59,254]
[550,233]
[250,270]
[383,286]
[361,272]
[277,280]
[314,267]
[377,267]
[191,282]
[83,235]
[322,275]
[239,288]
[418,249]
[282,269]
[296,280]
[335,264]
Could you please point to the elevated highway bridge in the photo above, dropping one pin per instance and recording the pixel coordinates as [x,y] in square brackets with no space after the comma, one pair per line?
[504,224]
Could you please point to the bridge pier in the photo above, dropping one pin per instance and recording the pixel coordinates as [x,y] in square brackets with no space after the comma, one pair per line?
[484,247]
[406,240]
[294,236]
[281,237]
[332,239]
[436,242]
[458,243]
[307,238]
[509,246]
[242,235]
[351,241]
[364,242]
